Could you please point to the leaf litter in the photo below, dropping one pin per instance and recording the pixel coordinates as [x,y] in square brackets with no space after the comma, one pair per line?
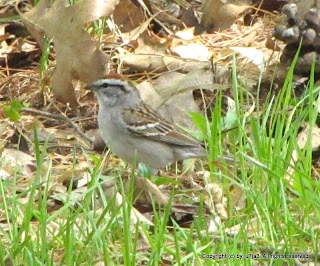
[140,55]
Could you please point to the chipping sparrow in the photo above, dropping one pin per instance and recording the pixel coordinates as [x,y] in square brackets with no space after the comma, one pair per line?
[135,132]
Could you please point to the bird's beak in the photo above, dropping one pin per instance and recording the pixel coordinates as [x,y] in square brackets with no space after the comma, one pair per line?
[91,87]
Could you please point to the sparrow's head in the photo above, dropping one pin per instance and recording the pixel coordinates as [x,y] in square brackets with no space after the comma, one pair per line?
[113,90]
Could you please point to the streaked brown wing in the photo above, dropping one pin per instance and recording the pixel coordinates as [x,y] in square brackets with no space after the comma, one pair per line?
[144,121]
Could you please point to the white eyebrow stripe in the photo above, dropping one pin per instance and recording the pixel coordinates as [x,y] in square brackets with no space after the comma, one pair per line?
[115,82]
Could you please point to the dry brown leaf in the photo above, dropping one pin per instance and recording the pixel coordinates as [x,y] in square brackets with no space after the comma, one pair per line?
[214,225]
[145,186]
[175,100]
[110,192]
[77,55]
[80,172]
[186,34]
[216,200]
[303,137]
[193,51]
[136,32]
[218,15]
[302,141]
[150,44]
[7,7]
[13,160]
[238,198]
[3,127]
[252,228]
[127,15]
[252,54]
[177,109]
[160,63]
[76,195]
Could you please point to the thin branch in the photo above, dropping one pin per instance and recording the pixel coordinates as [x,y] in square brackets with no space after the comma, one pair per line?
[59,117]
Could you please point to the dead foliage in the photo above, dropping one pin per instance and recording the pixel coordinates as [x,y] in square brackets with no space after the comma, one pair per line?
[169,67]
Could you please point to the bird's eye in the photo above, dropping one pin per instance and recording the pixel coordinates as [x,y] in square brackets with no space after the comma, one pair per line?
[105,85]
[113,90]
[114,87]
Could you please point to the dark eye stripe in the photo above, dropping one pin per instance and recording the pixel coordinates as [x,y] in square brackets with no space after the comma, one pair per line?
[120,87]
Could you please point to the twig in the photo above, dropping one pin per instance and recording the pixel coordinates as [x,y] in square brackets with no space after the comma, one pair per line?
[59,117]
